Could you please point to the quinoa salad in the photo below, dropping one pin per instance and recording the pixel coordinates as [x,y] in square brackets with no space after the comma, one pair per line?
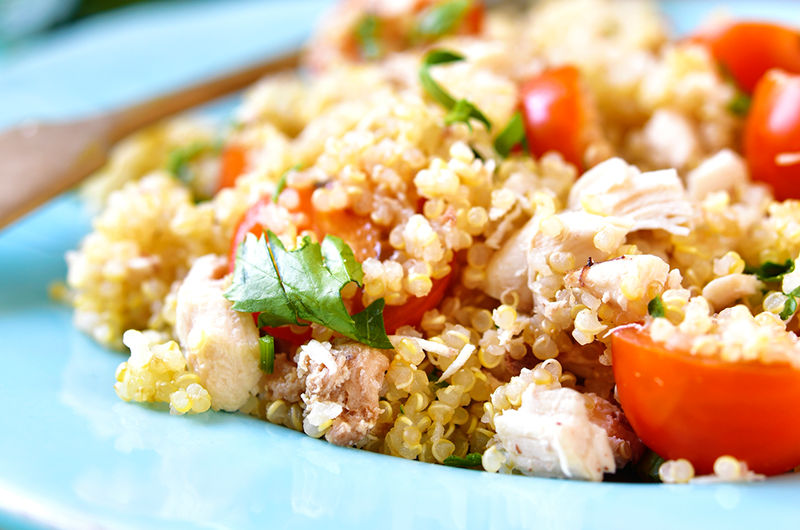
[554,241]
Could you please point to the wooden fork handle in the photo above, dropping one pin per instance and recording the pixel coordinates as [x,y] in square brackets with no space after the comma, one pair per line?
[40,160]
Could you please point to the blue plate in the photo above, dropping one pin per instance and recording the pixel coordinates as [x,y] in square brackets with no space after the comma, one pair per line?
[73,455]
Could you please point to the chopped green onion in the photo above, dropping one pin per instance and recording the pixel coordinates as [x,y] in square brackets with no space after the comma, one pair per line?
[366,33]
[402,410]
[470,460]
[769,271]
[511,136]
[441,19]
[656,307]
[458,111]
[266,348]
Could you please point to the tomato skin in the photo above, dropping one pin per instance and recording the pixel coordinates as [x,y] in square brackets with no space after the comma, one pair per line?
[748,49]
[556,113]
[410,313]
[685,406]
[233,162]
[773,128]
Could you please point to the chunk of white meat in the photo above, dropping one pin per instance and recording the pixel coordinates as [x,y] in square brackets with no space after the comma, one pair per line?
[725,291]
[626,283]
[551,435]
[507,271]
[654,200]
[670,140]
[342,389]
[220,344]
[724,171]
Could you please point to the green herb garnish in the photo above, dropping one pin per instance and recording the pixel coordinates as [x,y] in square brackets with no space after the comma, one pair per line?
[266,348]
[647,466]
[457,111]
[402,410]
[511,136]
[790,306]
[739,104]
[367,35]
[441,19]
[769,271]
[281,184]
[303,285]
[470,460]
[656,307]
[179,158]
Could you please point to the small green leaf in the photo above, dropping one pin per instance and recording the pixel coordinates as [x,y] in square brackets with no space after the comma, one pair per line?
[462,111]
[402,410]
[303,285]
[441,19]
[179,158]
[770,271]
[647,466]
[457,111]
[266,347]
[367,34]
[789,307]
[739,104]
[656,307]
[511,136]
[470,460]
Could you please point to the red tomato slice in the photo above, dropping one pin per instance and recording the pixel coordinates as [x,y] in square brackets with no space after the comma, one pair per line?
[685,406]
[410,313]
[233,162]
[772,134]
[556,110]
[748,49]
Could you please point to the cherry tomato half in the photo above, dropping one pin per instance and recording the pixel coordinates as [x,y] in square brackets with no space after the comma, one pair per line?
[748,49]
[556,112]
[233,162]
[685,406]
[772,134]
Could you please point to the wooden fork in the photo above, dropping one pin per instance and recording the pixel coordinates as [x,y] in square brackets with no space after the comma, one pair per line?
[41,160]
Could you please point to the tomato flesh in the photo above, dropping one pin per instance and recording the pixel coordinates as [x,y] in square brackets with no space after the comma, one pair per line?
[685,406]
[233,162]
[772,134]
[748,49]
[556,113]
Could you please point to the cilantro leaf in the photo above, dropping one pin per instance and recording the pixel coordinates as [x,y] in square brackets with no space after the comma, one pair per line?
[367,32]
[656,307]
[511,136]
[266,348]
[458,111]
[303,285]
[281,184]
[441,19]
[769,271]
[470,460]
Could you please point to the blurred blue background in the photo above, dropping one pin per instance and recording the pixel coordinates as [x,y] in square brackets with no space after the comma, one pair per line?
[21,19]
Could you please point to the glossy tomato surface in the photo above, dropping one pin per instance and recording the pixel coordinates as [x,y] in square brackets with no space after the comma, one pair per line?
[747,49]
[556,113]
[685,406]
[772,134]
